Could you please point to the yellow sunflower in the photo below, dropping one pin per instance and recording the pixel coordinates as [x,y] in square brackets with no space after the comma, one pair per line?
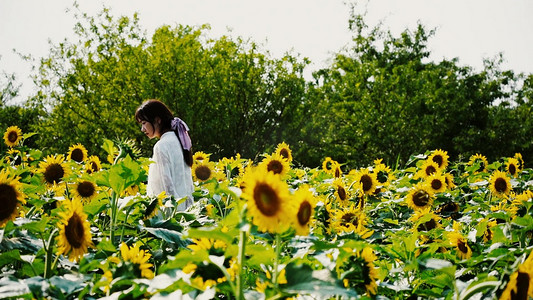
[284,151]
[449,181]
[425,220]
[305,202]
[428,168]
[74,231]
[488,234]
[231,167]
[153,206]
[92,164]
[518,156]
[440,157]
[500,184]
[212,246]
[457,240]
[200,156]
[420,196]
[12,136]
[54,169]
[350,219]
[77,153]
[383,173]
[268,200]
[84,190]
[131,190]
[203,171]
[206,274]
[139,258]
[479,160]
[368,181]
[337,171]
[523,198]
[11,197]
[276,164]
[520,285]
[512,167]
[436,182]
[342,194]
[356,270]
[328,165]
[449,208]
[16,158]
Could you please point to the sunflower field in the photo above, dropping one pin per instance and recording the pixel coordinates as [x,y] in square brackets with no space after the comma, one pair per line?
[74,225]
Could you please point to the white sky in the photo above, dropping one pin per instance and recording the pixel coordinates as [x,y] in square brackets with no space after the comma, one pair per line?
[468,29]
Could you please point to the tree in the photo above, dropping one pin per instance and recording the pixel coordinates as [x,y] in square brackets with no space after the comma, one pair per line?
[383,99]
[234,98]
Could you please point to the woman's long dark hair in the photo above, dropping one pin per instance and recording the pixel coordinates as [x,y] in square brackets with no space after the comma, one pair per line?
[149,110]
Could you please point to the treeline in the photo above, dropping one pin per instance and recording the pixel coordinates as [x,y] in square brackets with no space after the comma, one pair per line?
[380,98]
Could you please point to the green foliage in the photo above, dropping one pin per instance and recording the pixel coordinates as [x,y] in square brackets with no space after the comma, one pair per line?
[383,98]
[234,98]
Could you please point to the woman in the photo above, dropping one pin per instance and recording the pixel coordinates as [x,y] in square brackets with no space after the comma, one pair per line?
[172,154]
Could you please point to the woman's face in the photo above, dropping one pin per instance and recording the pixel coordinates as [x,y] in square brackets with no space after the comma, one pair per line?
[149,129]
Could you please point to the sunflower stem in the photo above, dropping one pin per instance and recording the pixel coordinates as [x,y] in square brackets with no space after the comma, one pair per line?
[48,259]
[276,261]
[125,222]
[112,217]
[240,260]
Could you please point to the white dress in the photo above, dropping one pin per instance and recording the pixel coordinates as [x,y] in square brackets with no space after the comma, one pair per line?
[169,172]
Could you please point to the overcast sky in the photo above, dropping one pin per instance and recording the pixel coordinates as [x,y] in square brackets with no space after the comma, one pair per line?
[467,29]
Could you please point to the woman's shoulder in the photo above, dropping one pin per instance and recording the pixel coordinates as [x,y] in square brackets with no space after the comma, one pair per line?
[168,139]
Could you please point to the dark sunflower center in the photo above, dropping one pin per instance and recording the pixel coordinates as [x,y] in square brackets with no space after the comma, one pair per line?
[430,170]
[361,201]
[77,155]
[12,137]
[266,199]
[341,192]
[208,272]
[93,168]
[337,172]
[54,173]
[522,286]
[438,159]
[350,218]
[8,201]
[366,181]
[382,176]
[512,169]
[304,213]
[449,207]
[500,185]
[275,166]
[203,173]
[86,189]
[488,234]
[431,224]
[462,246]
[284,153]
[436,184]
[74,231]
[420,198]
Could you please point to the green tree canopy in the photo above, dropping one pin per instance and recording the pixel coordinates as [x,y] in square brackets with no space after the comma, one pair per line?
[383,98]
[234,98]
